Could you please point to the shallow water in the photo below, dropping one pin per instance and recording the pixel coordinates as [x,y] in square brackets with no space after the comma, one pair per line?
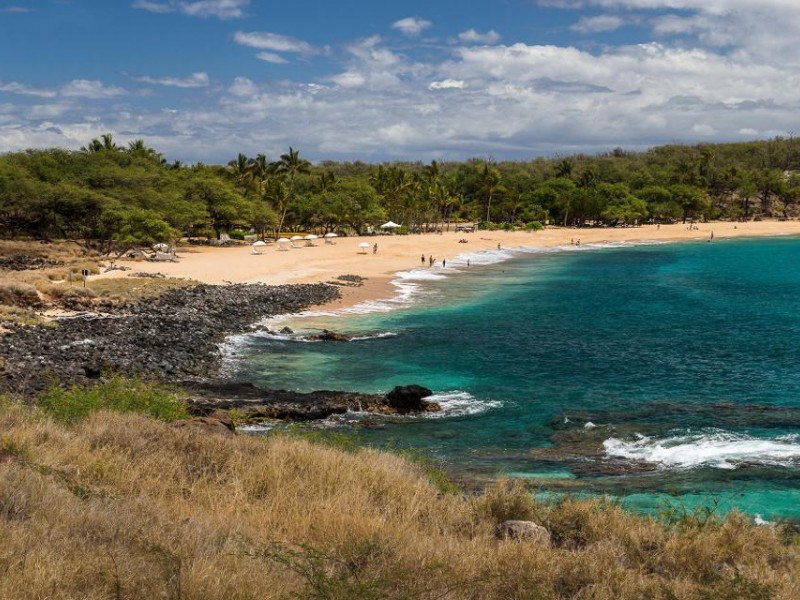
[683,359]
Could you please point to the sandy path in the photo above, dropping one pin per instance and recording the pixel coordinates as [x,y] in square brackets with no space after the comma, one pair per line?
[398,253]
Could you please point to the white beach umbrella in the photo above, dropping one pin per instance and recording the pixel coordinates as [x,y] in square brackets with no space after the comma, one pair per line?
[390,225]
[284,240]
[310,236]
[259,243]
[331,235]
[363,247]
[294,238]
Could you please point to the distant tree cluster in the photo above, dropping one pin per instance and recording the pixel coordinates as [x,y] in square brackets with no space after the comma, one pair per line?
[110,197]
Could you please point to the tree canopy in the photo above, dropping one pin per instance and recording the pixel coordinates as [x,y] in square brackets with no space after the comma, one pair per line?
[110,195]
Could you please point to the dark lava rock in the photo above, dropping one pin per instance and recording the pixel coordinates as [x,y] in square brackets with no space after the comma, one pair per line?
[330,336]
[174,335]
[254,404]
[406,398]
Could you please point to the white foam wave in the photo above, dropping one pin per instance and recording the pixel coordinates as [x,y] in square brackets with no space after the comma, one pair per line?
[373,336]
[715,448]
[458,404]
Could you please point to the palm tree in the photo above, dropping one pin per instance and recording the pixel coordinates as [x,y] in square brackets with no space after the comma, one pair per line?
[489,183]
[260,169]
[106,142]
[240,169]
[290,165]
[138,148]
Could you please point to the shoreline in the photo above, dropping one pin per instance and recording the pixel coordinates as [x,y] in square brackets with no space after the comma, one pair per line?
[396,254]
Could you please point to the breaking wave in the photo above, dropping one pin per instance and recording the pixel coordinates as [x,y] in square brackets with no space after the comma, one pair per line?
[715,448]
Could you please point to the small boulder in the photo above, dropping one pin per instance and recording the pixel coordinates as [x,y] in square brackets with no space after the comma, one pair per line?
[523,530]
[406,398]
[207,425]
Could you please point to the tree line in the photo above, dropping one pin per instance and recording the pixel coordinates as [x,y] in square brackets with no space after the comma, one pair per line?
[111,196]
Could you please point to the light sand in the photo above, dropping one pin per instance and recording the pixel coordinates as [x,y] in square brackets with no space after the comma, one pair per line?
[399,253]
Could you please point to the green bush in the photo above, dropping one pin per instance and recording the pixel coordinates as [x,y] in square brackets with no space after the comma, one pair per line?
[535,226]
[237,234]
[118,393]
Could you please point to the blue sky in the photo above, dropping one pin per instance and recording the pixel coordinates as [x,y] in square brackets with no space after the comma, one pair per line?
[201,80]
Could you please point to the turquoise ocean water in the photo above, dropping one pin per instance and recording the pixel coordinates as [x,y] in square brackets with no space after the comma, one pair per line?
[650,373]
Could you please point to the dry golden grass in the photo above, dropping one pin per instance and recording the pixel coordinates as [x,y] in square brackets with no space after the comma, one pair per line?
[122,506]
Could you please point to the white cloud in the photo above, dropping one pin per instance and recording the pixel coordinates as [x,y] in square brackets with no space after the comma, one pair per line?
[598,23]
[349,79]
[195,80]
[472,36]
[242,86]
[276,42]
[16,9]
[13,87]
[85,88]
[412,26]
[476,96]
[448,84]
[271,57]
[221,9]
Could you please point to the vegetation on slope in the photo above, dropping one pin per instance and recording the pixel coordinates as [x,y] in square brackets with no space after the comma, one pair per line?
[120,505]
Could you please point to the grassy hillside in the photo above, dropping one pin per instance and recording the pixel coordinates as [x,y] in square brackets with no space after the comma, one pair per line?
[119,505]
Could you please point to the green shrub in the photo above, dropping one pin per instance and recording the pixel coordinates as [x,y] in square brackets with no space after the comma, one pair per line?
[237,234]
[118,394]
[535,226]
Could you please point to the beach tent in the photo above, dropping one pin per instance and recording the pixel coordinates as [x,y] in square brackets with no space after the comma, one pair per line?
[283,244]
[363,247]
[258,247]
[329,238]
[390,225]
[310,239]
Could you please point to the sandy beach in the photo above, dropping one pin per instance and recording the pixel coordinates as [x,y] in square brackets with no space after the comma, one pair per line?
[237,264]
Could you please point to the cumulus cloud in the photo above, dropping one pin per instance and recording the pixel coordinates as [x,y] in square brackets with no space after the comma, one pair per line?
[221,9]
[13,87]
[91,89]
[475,97]
[598,23]
[448,84]
[411,26]
[272,41]
[473,37]
[195,80]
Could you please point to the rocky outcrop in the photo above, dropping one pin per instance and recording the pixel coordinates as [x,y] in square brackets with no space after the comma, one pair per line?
[175,335]
[407,398]
[254,404]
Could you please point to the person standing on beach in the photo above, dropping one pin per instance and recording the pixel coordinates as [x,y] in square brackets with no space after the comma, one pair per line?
[444,263]
[422,259]
[375,249]
[430,260]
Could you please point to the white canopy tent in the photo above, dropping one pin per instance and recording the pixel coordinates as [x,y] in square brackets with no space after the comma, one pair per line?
[329,238]
[283,244]
[363,247]
[390,225]
[310,239]
[258,247]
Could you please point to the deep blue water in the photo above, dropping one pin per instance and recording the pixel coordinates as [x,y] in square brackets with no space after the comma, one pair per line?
[642,372]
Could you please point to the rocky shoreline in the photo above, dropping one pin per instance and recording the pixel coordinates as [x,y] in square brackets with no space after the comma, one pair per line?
[175,338]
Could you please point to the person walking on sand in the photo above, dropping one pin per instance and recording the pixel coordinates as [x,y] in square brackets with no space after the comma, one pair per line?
[375,249]
[430,260]
[444,263]
[422,259]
